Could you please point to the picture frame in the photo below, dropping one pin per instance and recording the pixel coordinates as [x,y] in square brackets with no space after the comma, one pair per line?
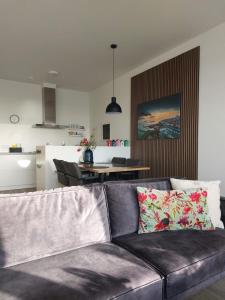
[159,118]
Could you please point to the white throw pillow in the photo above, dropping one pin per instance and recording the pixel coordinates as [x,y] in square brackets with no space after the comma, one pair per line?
[213,188]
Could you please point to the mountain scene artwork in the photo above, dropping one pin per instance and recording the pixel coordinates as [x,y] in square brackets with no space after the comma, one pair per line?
[159,119]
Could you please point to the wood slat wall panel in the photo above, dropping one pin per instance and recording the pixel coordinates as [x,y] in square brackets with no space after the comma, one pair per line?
[169,157]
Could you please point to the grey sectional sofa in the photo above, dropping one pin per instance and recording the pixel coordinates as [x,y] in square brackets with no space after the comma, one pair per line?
[82,243]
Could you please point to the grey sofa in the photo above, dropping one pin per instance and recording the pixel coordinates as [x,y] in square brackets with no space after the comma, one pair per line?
[82,243]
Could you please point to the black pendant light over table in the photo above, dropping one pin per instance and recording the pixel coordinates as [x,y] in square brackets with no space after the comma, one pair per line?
[113,107]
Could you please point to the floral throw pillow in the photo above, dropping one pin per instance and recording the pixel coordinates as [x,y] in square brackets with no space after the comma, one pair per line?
[173,210]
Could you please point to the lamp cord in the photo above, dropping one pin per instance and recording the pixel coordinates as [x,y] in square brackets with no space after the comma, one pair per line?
[113,69]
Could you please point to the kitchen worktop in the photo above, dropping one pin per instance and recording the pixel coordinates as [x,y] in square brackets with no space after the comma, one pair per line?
[18,153]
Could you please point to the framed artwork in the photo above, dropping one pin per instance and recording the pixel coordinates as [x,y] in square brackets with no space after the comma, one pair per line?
[106,131]
[160,118]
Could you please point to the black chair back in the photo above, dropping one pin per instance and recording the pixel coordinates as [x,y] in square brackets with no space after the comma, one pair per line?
[132,162]
[118,161]
[73,173]
[60,172]
[59,165]
[72,169]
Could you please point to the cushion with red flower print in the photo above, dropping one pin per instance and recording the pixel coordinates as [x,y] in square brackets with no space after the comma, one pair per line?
[173,210]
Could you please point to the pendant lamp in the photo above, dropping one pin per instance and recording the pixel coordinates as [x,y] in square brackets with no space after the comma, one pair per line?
[113,107]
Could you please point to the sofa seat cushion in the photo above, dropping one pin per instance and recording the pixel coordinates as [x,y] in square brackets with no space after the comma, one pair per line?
[185,258]
[100,271]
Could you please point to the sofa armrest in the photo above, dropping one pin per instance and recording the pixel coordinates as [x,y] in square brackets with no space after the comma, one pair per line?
[222,206]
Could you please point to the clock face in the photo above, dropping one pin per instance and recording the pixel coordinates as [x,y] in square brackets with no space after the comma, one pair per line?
[14,119]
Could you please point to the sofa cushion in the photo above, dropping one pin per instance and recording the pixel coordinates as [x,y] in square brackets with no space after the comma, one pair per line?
[173,210]
[100,271]
[213,188]
[186,258]
[40,224]
[123,204]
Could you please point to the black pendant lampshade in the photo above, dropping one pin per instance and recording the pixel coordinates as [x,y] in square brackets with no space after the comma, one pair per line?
[113,107]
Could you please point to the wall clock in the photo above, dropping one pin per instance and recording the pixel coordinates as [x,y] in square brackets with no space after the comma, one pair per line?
[14,119]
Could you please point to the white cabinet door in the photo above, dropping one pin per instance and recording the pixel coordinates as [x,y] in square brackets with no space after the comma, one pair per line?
[17,171]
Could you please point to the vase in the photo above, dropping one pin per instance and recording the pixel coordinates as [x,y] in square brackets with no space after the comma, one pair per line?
[88,156]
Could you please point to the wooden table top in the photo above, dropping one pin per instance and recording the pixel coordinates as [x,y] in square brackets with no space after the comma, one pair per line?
[111,169]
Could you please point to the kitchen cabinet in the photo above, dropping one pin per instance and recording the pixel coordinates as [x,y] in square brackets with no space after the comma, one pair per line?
[17,170]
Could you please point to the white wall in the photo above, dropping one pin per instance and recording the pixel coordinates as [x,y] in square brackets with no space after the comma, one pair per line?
[26,100]
[119,123]
[211,102]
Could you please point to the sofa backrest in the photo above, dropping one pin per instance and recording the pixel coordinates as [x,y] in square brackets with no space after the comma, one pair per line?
[40,224]
[123,205]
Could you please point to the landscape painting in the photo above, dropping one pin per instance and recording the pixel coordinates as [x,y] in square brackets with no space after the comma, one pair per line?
[159,119]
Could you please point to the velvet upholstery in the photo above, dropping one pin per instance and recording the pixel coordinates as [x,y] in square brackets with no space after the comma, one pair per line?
[60,172]
[222,207]
[55,245]
[123,205]
[40,224]
[97,272]
[201,286]
[186,258]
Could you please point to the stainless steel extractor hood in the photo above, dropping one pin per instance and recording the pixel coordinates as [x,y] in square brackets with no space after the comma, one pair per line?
[49,108]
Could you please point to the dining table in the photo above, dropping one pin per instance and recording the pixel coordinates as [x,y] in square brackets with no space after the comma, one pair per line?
[103,169]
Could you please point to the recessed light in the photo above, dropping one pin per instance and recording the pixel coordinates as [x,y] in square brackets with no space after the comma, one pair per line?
[53,72]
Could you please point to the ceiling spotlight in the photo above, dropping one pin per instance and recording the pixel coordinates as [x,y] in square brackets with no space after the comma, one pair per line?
[53,73]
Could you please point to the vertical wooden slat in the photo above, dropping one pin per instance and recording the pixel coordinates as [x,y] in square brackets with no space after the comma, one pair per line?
[169,157]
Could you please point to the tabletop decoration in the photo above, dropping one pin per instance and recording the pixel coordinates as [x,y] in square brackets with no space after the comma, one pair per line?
[89,146]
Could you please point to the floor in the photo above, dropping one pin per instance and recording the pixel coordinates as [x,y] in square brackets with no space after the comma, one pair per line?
[214,292]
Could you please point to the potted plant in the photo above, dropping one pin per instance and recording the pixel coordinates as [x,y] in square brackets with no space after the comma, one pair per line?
[89,145]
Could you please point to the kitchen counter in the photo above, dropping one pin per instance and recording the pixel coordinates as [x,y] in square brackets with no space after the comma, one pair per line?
[17,170]
[18,153]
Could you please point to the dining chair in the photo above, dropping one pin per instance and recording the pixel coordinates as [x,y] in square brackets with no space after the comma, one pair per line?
[118,161]
[75,176]
[123,162]
[130,162]
[60,170]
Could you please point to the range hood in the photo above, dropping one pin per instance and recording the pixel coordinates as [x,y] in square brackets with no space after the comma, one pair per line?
[49,108]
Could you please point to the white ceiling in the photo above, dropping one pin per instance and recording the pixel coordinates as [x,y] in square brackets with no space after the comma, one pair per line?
[73,36]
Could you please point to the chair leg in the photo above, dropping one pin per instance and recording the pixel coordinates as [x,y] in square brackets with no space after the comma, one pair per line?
[102,177]
[136,174]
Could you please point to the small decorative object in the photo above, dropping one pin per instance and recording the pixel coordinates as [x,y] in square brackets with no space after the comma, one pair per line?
[113,107]
[117,142]
[113,143]
[122,143]
[159,119]
[88,156]
[75,130]
[15,148]
[89,146]
[126,143]
[14,119]
[109,143]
